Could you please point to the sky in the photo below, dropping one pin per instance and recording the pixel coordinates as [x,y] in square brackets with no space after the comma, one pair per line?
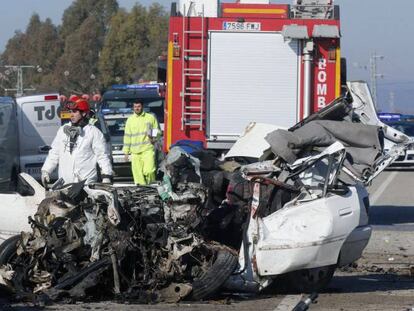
[367,27]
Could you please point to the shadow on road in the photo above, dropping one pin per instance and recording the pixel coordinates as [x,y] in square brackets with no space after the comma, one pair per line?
[400,169]
[391,215]
[5,306]
[369,283]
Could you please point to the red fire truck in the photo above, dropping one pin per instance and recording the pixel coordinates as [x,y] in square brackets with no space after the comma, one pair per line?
[230,64]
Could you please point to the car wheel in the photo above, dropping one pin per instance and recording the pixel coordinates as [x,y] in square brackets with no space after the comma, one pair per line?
[310,280]
[211,280]
[8,249]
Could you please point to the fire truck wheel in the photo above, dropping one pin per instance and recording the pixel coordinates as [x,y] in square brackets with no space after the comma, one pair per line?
[211,281]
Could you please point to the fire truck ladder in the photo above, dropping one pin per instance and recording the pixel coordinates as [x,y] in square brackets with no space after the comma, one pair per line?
[192,98]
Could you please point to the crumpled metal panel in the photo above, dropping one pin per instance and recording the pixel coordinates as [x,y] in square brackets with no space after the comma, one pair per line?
[362,142]
[6,275]
[252,143]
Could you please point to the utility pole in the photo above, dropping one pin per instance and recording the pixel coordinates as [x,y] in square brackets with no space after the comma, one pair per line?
[391,102]
[374,75]
[19,85]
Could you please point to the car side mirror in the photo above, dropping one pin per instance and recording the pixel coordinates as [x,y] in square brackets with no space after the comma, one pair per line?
[23,188]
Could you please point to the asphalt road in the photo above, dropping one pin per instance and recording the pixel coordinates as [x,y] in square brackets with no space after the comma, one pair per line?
[382,280]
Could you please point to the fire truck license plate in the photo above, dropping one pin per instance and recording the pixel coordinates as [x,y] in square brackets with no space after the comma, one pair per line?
[241,26]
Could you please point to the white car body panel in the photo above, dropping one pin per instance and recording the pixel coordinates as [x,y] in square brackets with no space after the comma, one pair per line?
[252,143]
[15,209]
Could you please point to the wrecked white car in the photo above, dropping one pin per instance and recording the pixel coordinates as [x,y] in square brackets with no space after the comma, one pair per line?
[298,211]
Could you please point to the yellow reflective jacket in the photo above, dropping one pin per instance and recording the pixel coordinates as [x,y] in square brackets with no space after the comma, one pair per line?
[137,133]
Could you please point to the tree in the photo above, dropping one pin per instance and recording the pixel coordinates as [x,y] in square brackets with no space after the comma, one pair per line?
[40,46]
[85,24]
[133,43]
[157,21]
[96,39]
[80,10]
[45,48]
[75,69]
[110,62]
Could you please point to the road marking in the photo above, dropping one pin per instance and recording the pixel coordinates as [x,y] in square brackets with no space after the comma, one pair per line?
[376,195]
[288,303]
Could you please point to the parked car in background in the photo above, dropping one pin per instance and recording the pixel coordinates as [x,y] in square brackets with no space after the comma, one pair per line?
[406,127]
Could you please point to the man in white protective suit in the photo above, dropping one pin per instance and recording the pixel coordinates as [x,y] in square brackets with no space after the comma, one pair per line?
[77,148]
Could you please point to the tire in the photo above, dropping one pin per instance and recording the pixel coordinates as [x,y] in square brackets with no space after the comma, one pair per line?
[8,249]
[310,280]
[211,281]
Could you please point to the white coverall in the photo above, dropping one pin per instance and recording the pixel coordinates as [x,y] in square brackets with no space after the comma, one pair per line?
[90,148]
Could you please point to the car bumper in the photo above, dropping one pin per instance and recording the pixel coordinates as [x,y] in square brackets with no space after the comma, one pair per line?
[405,160]
[354,245]
[121,167]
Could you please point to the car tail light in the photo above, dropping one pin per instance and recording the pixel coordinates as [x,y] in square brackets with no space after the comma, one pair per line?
[51,97]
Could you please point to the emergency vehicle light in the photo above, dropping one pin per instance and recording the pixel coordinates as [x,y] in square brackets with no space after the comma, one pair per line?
[51,97]
[116,110]
[389,116]
[134,86]
[125,110]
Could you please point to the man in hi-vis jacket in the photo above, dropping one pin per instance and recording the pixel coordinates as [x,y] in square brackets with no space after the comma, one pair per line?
[141,131]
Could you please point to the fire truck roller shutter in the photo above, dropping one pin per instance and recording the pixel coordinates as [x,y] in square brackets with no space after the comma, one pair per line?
[253,77]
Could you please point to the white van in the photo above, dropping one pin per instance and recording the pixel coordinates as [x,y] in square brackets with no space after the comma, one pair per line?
[9,148]
[38,120]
